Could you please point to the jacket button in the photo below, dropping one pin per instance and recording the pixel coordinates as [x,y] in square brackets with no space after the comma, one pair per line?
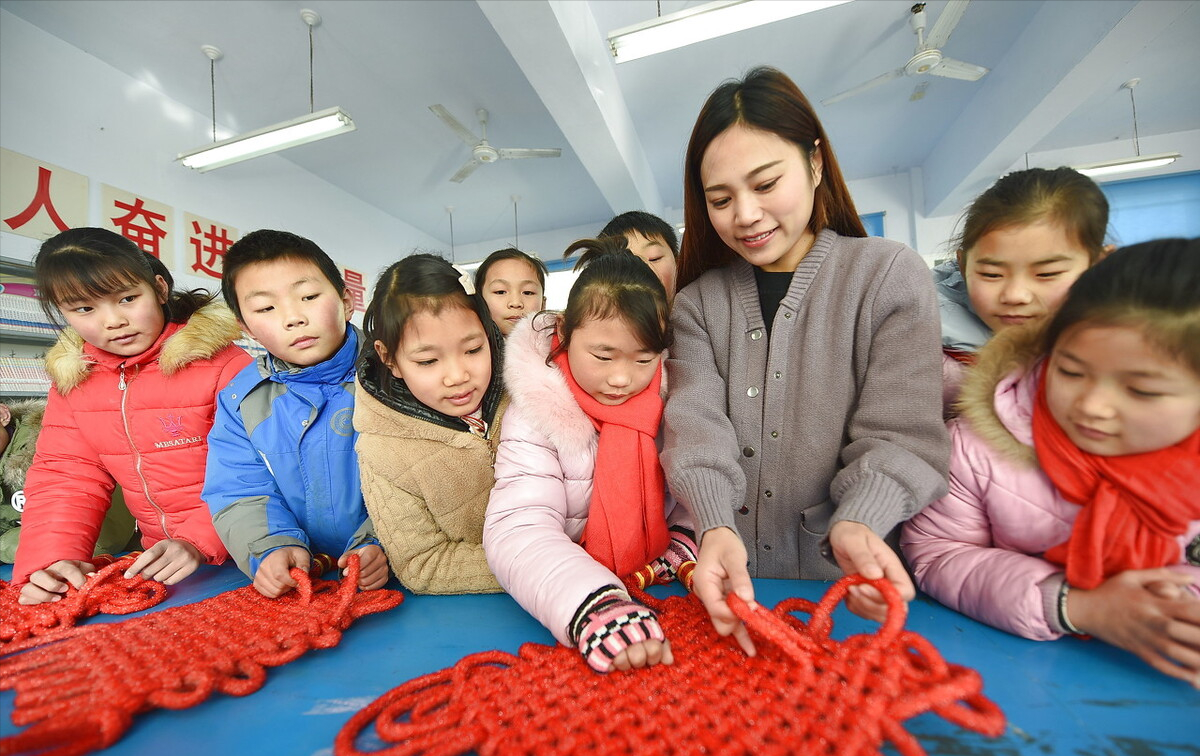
[778,374]
[744,510]
[768,494]
[234,396]
[304,423]
[756,334]
[774,434]
[787,315]
[748,451]
[752,392]
[766,547]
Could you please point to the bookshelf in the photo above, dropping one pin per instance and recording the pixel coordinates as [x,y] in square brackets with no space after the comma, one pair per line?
[25,333]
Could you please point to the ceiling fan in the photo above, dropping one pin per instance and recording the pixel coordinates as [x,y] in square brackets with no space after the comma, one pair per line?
[481,151]
[928,58]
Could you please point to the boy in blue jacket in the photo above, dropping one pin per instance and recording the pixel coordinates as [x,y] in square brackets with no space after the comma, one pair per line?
[282,479]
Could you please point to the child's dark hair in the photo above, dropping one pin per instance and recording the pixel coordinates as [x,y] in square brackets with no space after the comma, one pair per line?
[1153,287]
[266,245]
[510,253]
[1061,195]
[615,283]
[646,224]
[85,263]
[418,283]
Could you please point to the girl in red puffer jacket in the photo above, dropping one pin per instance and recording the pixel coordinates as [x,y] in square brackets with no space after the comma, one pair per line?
[135,377]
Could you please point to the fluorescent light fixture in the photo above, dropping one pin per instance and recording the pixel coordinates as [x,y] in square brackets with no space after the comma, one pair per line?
[1140,163]
[302,130]
[705,22]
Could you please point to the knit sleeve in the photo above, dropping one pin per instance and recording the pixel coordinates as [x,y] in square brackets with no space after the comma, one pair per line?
[897,453]
[699,454]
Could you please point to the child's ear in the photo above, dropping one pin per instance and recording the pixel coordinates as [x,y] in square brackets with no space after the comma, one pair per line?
[385,357]
[961,257]
[161,289]
[347,303]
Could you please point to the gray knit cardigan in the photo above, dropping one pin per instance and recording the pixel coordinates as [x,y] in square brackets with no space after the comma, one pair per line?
[835,415]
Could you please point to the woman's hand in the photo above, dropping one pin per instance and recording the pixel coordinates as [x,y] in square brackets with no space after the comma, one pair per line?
[857,549]
[1136,610]
[49,584]
[721,569]
[167,561]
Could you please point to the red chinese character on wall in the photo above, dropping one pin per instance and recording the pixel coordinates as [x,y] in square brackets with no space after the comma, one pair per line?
[41,199]
[354,285]
[209,246]
[146,235]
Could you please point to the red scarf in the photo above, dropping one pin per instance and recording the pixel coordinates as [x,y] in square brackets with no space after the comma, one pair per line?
[626,527]
[1134,505]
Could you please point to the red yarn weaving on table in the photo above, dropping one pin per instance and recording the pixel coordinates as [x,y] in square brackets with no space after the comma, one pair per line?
[805,693]
[81,693]
[23,626]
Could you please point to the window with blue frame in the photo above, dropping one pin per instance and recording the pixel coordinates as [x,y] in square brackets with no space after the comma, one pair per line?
[1153,208]
[873,223]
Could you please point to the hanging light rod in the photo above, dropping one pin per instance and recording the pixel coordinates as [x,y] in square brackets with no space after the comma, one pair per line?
[1138,162]
[703,22]
[307,128]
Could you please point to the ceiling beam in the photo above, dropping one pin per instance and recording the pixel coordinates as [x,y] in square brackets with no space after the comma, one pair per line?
[557,45]
[1066,53]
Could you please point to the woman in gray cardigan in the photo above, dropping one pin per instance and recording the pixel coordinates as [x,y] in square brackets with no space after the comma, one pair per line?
[804,421]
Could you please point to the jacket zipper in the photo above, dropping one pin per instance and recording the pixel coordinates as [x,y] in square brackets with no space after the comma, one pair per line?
[162,517]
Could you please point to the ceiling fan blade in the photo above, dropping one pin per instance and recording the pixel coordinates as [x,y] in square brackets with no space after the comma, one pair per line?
[918,92]
[467,169]
[523,152]
[462,131]
[951,15]
[957,69]
[864,86]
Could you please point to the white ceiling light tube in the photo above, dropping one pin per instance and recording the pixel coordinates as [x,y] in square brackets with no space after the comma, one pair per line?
[307,128]
[1144,162]
[707,21]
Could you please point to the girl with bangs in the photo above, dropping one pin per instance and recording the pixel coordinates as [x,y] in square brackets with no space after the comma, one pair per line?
[428,407]
[135,376]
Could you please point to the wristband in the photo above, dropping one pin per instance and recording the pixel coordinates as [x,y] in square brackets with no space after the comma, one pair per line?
[1063,618]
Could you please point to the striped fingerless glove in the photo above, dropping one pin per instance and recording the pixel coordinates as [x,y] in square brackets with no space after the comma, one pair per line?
[607,623]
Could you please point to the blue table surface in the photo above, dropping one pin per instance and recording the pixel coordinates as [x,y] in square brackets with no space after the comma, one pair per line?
[1070,696]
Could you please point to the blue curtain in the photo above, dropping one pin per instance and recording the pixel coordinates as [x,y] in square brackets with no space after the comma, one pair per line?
[1153,208]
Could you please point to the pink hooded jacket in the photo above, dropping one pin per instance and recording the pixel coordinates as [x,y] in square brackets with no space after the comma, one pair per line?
[539,505]
[978,549]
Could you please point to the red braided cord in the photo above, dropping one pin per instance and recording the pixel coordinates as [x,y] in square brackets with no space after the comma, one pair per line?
[804,693]
[106,592]
[81,694]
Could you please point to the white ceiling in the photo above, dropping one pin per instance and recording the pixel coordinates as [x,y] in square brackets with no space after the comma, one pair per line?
[542,70]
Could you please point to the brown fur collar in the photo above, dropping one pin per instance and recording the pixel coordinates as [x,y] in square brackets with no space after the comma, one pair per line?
[1014,349]
[207,332]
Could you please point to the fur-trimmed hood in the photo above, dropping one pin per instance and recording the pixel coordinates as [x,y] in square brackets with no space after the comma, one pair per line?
[210,329]
[542,389]
[17,458]
[998,394]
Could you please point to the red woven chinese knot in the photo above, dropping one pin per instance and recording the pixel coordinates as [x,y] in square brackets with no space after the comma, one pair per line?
[23,626]
[804,693]
[82,692]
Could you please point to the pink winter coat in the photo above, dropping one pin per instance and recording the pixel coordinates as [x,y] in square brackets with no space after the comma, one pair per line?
[978,549]
[539,505]
[139,421]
